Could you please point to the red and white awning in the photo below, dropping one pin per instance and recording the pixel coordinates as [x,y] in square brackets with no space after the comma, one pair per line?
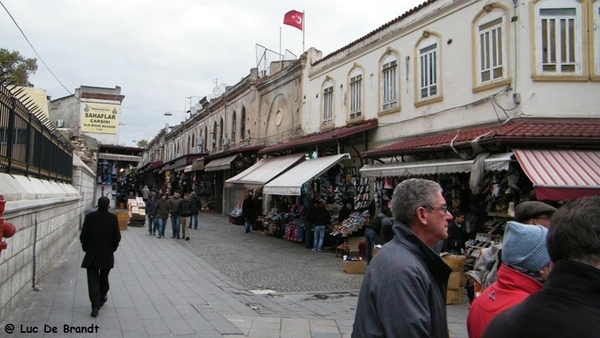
[559,175]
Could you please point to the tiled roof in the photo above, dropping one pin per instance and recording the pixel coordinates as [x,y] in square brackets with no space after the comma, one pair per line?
[514,132]
[322,137]
[400,18]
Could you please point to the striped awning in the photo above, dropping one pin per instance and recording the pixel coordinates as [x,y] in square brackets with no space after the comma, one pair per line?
[559,175]
[222,163]
[495,162]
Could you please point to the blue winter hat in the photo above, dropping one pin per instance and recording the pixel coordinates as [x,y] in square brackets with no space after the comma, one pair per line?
[524,246]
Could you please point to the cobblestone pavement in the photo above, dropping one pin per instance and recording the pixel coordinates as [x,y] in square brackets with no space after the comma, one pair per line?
[258,261]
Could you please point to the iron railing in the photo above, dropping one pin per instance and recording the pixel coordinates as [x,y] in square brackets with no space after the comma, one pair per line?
[29,144]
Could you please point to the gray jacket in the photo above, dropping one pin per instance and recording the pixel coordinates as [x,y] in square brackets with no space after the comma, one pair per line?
[404,291]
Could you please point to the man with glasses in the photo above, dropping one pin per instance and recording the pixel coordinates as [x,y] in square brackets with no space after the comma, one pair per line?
[404,288]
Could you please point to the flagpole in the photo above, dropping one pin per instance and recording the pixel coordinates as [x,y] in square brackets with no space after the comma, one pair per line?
[280,57]
[303,25]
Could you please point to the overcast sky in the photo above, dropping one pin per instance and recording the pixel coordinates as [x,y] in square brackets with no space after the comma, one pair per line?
[160,52]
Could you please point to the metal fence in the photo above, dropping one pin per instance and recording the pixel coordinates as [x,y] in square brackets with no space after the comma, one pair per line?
[29,144]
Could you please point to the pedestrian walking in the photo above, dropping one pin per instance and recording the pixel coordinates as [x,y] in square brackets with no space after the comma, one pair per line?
[174,211]
[185,212]
[150,207]
[372,235]
[403,293]
[145,193]
[99,238]
[322,220]
[161,213]
[249,212]
[569,303]
[196,207]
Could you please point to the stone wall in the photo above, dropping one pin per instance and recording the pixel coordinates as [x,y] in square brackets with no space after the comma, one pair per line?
[47,217]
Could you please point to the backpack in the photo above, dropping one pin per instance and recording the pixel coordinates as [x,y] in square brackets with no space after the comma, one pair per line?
[486,267]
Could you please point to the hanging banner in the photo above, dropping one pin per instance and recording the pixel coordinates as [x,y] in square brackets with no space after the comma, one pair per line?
[99,117]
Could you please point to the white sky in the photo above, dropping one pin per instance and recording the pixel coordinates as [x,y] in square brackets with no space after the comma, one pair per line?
[160,52]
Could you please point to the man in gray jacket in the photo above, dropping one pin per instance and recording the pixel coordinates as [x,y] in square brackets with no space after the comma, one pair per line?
[404,288]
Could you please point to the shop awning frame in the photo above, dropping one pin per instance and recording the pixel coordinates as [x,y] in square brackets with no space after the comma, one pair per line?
[188,168]
[290,183]
[495,162]
[263,171]
[222,163]
[564,174]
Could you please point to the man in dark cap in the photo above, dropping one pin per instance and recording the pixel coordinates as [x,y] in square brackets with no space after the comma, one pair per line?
[568,305]
[534,212]
[99,238]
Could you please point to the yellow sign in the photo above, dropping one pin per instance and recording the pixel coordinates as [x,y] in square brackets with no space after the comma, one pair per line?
[99,118]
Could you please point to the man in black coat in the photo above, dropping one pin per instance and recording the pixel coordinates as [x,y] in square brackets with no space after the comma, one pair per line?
[569,303]
[99,238]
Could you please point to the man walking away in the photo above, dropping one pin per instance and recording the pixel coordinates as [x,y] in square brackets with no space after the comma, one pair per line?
[403,293]
[175,217]
[185,212]
[99,238]
[145,193]
[161,213]
[196,205]
[248,211]
[150,207]
[322,220]
[569,303]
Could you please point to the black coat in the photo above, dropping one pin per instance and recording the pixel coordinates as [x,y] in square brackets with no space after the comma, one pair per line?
[100,238]
[567,306]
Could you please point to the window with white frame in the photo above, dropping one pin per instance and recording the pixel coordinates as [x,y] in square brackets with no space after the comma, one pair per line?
[491,47]
[389,82]
[356,94]
[428,68]
[559,37]
[327,103]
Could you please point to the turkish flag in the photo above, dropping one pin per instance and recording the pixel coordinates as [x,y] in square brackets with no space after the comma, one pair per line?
[294,19]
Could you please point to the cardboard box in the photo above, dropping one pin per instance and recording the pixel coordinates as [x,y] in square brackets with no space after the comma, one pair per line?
[353,267]
[457,263]
[123,218]
[454,296]
[454,280]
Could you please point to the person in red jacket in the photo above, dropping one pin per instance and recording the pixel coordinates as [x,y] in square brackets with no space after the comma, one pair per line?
[525,265]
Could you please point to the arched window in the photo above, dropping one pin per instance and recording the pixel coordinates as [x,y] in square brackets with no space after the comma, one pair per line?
[389,82]
[221,135]
[327,103]
[233,127]
[243,124]
[214,135]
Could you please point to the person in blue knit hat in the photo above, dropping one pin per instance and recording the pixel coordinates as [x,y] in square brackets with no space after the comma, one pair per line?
[525,265]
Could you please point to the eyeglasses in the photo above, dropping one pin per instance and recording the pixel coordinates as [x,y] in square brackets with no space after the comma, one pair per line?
[443,208]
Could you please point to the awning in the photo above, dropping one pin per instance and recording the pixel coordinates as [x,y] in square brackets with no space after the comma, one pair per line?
[559,175]
[495,162]
[290,182]
[222,163]
[262,172]
[187,169]
[321,138]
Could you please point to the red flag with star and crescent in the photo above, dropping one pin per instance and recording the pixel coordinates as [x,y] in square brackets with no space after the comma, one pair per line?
[294,19]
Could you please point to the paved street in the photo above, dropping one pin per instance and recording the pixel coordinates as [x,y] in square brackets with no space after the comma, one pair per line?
[222,283]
